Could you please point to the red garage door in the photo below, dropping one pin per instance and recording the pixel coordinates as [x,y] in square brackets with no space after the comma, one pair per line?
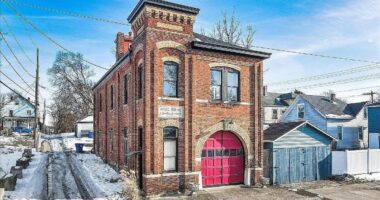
[222,160]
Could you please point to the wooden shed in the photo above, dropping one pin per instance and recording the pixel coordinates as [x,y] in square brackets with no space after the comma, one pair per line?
[296,152]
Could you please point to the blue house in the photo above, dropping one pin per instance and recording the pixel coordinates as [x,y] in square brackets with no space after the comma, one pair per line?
[374,125]
[17,112]
[343,121]
[296,152]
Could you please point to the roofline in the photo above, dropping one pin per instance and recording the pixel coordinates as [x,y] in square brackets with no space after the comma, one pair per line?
[308,123]
[110,70]
[165,4]
[229,49]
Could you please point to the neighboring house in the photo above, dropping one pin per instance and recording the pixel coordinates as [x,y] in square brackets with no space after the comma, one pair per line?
[275,105]
[84,126]
[374,125]
[177,103]
[346,122]
[296,152]
[17,112]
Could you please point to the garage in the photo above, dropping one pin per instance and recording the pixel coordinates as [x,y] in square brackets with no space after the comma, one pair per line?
[296,152]
[222,160]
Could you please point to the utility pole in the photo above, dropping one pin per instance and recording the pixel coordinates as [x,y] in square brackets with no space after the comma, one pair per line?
[36,111]
[372,94]
[44,118]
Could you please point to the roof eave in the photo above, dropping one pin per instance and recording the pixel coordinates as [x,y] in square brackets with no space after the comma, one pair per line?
[256,54]
[110,70]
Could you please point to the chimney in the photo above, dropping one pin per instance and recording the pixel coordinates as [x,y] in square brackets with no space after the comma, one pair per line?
[123,43]
[332,97]
[265,90]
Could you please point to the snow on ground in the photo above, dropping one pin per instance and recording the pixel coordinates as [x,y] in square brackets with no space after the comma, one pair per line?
[69,143]
[16,140]
[33,183]
[56,144]
[369,177]
[106,178]
[8,158]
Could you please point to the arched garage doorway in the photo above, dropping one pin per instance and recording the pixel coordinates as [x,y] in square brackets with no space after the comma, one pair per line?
[222,160]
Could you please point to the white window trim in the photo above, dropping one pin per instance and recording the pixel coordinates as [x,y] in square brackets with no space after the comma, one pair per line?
[304,109]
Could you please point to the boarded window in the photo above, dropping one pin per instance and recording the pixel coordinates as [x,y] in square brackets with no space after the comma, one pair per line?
[360,132]
[125,89]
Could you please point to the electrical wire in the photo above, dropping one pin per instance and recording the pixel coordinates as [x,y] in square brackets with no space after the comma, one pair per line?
[68,13]
[10,64]
[16,83]
[337,82]
[327,75]
[356,89]
[14,55]
[46,35]
[15,38]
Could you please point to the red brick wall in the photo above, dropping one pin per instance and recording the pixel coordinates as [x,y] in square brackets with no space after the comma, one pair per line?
[193,95]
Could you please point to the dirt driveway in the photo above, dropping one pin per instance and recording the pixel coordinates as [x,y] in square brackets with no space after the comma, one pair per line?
[313,190]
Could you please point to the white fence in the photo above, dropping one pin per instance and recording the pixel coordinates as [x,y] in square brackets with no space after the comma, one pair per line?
[355,162]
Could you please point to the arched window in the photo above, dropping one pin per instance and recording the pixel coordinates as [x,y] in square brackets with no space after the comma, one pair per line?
[170,148]
[225,84]
[170,79]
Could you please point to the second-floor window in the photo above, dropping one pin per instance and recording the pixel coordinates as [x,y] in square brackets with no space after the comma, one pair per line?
[170,79]
[365,113]
[140,82]
[29,112]
[274,114]
[301,111]
[340,132]
[125,89]
[360,132]
[100,103]
[11,113]
[111,98]
[225,84]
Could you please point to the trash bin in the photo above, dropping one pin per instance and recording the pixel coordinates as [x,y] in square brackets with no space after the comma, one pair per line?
[79,147]
[90,135]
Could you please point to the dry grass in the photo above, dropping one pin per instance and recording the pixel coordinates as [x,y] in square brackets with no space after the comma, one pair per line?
[130,189]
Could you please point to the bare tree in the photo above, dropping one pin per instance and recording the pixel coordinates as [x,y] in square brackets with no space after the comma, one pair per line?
[73,99]
[229,30]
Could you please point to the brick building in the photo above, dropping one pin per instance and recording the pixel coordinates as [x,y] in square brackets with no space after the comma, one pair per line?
[179,107]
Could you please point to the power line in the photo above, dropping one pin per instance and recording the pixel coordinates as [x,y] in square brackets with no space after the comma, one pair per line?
[337,82]
[12,89]
[316,55]
[15,38]
[72,14]
[10,64]
[356,89]
[328,75]
[14,55]
[15,83]
[46,35]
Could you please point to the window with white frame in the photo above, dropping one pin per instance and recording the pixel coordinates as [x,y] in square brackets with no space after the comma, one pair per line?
[340,132]
[274,114]
[225,84]
[170,148]
[360,132]
[301,111]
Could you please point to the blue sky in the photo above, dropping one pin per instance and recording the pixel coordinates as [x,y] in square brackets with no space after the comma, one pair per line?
[346,28]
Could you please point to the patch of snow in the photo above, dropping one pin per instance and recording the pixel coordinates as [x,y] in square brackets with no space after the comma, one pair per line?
[56,145]
[69,143]
[332,116]
[8,157]
[369,177]
[106,178]
[33,183]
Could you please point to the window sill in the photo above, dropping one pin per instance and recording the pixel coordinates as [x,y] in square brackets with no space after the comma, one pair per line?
[170,98]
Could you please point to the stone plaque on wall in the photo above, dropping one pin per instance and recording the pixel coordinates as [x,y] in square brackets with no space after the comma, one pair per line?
[170,112]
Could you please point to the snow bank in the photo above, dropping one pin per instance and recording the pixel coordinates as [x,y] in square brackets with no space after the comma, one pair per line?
[106,178]
[56,145]
[33,183]
[369,177]
[69,143]
[8,158]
